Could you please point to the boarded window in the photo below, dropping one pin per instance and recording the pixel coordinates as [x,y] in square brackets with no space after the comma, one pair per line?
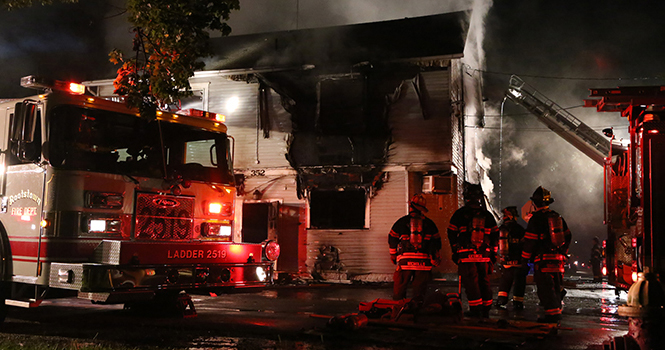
[330,209]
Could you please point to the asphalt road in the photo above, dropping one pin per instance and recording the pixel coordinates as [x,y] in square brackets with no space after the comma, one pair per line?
[285,317]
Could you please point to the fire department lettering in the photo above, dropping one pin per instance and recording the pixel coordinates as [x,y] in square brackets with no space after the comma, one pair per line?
[25,194]
[196,254]
[24,211]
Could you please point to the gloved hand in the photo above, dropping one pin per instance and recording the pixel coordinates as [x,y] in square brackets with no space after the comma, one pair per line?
[456,258]
[493,258]
[436,259]
[393,258]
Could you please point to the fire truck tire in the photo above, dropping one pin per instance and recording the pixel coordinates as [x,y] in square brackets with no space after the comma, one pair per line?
[4,290]
[5,268]
[164,304]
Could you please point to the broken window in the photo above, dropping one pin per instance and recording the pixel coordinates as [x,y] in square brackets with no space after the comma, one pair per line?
[341,107]
[333,209]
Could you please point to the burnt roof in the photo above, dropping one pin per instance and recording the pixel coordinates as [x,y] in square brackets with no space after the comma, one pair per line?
[409,39]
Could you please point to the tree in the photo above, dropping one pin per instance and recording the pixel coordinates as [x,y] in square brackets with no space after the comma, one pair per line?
[13,4]
[170,38]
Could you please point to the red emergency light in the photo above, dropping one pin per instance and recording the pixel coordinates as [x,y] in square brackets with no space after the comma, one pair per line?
[35,82]
[192,112]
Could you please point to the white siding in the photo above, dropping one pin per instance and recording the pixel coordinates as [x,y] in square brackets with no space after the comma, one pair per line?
[242,123]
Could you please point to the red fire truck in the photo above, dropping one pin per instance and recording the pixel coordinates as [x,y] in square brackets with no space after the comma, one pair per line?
[116,207]
[635,183]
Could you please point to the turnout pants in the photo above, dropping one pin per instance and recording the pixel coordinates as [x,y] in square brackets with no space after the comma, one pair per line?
[476,281]
[549,290]
[418,279]
[512,276]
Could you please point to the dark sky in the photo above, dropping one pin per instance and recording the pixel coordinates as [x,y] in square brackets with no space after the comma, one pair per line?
[562,48]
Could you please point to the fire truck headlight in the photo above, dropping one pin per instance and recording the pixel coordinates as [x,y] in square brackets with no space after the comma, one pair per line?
[261,274]
[104,225]
[214,229]
[97,226]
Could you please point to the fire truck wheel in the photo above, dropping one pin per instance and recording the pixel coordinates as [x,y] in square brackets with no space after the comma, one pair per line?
[164,304]
[4,289]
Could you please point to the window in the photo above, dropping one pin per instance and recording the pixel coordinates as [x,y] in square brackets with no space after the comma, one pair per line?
[331,209]
[341,107]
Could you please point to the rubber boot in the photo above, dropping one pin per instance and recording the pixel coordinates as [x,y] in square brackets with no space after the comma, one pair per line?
[474,312]
[486,311]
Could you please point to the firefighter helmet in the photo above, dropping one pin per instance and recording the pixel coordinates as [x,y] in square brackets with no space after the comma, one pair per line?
[473,194]
[418,203]
[510,212]
[542,197]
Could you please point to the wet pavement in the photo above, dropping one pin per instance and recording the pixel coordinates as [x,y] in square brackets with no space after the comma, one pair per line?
[296,317]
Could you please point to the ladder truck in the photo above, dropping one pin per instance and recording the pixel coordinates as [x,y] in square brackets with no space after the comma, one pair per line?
[623,245]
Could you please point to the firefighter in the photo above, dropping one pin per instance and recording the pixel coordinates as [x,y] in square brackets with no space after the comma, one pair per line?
[596,259]
[511,238]
[546,242]
[472,235]
[415,247]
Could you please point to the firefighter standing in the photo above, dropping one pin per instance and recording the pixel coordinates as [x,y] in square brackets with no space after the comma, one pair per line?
[546,242]
[596,259]
[511,238]
[414,247]
[472,235]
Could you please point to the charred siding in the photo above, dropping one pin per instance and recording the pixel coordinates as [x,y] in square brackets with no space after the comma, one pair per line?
[416,139]
[364,253]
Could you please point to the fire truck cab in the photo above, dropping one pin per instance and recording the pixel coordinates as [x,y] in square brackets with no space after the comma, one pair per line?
[114,206]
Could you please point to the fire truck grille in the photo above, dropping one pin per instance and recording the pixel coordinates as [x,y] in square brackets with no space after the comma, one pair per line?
[164,218]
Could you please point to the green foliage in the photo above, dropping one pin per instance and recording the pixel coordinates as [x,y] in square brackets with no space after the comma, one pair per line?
[170,39]
[15,4]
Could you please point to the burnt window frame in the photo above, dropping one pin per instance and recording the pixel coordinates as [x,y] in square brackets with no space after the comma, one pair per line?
[327,122]
[336,211]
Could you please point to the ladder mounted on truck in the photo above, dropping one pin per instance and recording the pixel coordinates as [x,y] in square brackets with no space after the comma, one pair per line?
[573,130]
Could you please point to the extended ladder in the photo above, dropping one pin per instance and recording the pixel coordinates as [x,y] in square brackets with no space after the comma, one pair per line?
[573,130]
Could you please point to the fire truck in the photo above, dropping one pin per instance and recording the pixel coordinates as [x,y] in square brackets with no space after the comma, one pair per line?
[116,207]
[634,179]
[635,183]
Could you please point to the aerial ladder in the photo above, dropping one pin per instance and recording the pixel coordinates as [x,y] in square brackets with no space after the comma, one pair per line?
[573,130]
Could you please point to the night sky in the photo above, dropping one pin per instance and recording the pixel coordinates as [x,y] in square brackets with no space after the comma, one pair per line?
[562,48]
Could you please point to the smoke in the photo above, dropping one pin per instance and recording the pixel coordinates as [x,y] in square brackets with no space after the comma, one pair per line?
[478,164]
[59,41]
[589,49]
[278,15]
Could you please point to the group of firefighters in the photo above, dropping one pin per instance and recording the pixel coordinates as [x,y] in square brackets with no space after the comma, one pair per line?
[477,244]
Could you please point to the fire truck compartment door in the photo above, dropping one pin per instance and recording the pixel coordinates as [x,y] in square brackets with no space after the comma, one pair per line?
[21,214]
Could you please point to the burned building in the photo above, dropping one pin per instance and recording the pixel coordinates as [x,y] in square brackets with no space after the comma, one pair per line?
[335,129]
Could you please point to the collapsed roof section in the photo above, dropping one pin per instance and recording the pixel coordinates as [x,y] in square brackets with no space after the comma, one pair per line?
[336,81]
[425,38]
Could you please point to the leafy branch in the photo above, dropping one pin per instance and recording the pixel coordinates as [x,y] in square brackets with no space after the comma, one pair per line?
[170,38]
